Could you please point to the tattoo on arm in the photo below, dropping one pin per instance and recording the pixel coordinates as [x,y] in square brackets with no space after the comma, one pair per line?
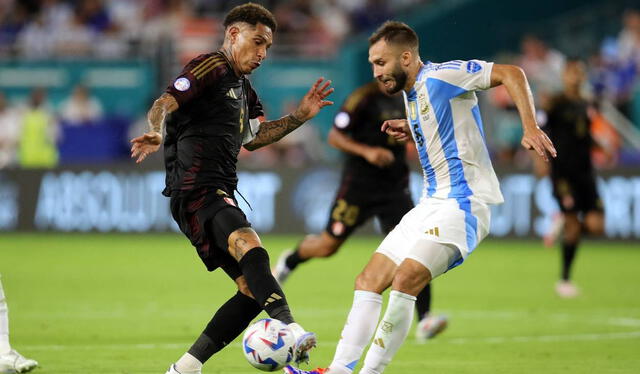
[272,131]
[164,105]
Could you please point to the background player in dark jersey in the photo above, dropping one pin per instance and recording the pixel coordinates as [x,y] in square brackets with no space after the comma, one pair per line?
[572,174]
[211,110]
[375,182]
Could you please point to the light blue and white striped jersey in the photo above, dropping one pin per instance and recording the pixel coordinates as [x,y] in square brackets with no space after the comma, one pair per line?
[443,114]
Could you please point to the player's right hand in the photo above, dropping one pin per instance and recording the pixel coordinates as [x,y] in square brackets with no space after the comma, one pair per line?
[378,156]
[398,128]
[144,145]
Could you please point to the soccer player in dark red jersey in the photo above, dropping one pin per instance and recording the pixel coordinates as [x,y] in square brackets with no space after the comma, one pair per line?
[375,182]
[572,172]
[211,111]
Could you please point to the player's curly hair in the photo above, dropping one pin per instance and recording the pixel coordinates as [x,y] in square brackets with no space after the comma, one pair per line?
[252,14]
[397,33]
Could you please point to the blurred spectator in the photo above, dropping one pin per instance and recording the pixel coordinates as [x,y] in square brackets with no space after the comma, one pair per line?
[39,133]
[543,67]
[74,38]
[13,17]
[9,133]
[36,40]
[80,108]
[629,38]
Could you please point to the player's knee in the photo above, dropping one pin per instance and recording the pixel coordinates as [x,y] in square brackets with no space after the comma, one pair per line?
[242,240]
[594,223]
[328,246]
[571,230]
[367,281]
[411,279]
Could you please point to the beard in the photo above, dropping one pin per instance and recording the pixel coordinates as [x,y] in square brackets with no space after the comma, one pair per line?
[399,77]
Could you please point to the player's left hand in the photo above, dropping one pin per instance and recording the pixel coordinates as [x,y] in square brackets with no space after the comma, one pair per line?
[144,145]
[535,139]
[314,100]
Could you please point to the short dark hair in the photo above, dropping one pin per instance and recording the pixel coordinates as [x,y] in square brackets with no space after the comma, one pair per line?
[395,32]
[252,14]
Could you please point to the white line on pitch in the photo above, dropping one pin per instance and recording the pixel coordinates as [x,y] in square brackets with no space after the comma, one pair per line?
[490,340]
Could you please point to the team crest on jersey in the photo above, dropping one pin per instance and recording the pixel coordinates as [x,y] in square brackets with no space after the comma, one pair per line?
[229,201]
[473,67]
[424,109]
[182,84]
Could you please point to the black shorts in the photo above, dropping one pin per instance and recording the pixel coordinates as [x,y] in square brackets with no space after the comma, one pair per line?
[353,206]
[577,194]
[207,217]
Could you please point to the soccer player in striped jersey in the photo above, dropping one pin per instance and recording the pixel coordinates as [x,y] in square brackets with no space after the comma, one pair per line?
[459,185]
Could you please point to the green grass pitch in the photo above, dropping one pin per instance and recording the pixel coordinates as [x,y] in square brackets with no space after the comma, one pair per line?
[133,304]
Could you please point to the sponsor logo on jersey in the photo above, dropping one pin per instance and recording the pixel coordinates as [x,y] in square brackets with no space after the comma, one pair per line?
[473,67]
[433,231]
[182,84]
[232,94]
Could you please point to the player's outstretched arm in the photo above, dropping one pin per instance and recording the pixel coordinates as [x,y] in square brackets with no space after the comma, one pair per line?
[378,156]
[516,83]
[309,107]
[150,142]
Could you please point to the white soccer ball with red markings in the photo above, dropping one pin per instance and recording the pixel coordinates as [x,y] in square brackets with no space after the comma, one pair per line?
[268,344]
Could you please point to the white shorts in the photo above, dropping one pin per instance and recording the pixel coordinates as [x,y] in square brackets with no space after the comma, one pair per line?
[438,225]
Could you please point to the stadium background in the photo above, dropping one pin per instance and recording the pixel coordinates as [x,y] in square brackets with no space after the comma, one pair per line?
[99,65]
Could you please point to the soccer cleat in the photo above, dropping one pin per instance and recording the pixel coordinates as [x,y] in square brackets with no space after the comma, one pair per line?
[305,341]
[566,289]
[429,327]
[172,370]
[281,271]
[14,362]
[292,370]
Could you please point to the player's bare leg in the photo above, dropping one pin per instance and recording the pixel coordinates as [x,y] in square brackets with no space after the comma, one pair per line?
[571,237]
[245,246]
[312,246]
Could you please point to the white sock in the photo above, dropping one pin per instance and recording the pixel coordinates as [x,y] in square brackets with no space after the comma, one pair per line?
[188,364]
[4,324]
[391,332]
[357,332]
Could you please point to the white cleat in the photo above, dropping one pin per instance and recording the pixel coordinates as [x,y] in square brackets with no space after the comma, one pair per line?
[172,370]
[429,327]
[14,362]
[305,341]
[281,271]
[566,289]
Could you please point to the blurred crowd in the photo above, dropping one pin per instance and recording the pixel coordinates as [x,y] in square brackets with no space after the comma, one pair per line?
[613,77]
[32,130]
[36,29]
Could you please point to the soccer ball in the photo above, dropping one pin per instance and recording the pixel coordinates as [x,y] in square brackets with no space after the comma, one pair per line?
[268,344]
